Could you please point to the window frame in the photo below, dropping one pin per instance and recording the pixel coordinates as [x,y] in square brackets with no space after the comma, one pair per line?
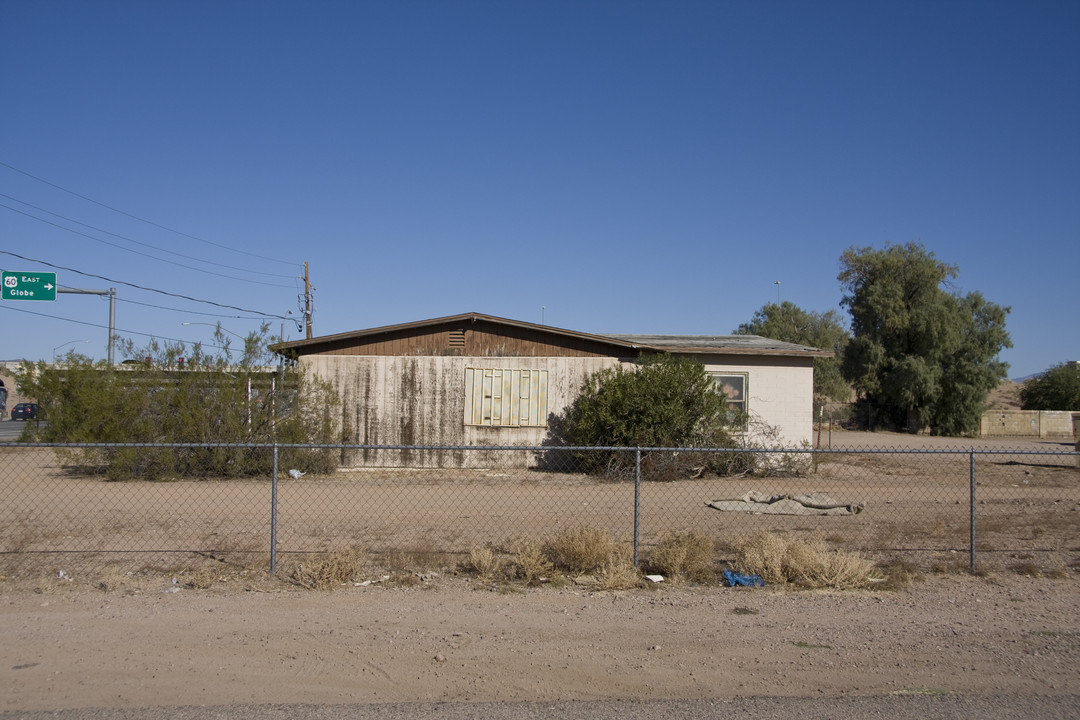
[744,404]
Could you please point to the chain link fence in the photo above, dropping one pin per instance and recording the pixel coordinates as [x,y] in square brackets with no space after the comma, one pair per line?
[959,507]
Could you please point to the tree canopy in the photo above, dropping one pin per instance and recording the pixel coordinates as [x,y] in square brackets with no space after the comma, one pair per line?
[1056,389]
[926,356]
[790,323]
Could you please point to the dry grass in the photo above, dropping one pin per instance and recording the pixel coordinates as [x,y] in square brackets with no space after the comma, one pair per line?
[685,556]
[618,571]
[420,557]
[806,563]
[531,565]
[485,562]
[580,549]
[328,571]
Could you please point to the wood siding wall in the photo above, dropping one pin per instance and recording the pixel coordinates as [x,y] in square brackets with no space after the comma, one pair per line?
[416,400]
[470,339]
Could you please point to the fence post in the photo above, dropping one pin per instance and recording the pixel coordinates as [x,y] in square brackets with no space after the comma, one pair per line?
[972,503]
[637,503]
[273,512]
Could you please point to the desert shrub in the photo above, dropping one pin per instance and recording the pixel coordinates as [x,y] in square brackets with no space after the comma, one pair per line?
[530,564]
[617,572]
[485,562]
[686,556]
[330,570]
[580,549]
[665,402]
[208,399]
[809,563]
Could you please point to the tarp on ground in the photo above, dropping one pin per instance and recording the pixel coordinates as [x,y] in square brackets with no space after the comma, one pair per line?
[808,504]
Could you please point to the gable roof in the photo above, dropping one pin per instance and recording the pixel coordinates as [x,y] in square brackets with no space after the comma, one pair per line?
[635,344]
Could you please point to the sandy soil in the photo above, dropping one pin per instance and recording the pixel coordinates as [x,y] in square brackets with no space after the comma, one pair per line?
[452,639]
[138,640]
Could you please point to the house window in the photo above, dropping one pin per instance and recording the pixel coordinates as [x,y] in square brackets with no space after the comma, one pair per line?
[733,387]
[498,397]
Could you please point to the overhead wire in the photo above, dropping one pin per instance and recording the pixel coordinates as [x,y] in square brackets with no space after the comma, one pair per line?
[105,327]
[143,287]
[187,312]
[137,252]
[128,239]
[143,220]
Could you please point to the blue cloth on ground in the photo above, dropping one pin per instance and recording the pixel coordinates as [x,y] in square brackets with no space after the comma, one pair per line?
[734,578]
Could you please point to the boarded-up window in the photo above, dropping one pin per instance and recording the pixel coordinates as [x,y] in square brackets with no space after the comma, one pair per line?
[506,398]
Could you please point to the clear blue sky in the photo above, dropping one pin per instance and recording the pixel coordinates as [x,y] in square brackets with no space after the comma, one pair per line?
[633,167]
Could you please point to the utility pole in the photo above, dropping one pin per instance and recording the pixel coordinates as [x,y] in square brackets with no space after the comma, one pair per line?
[111,292]
[307,302]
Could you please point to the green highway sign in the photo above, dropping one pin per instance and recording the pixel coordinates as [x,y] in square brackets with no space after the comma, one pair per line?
[28,286]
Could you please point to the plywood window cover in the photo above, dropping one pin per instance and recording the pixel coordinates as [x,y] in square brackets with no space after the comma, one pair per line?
[504,397]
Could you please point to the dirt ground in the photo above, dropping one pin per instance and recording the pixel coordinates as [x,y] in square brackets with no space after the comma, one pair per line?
[452,639]
[137,639]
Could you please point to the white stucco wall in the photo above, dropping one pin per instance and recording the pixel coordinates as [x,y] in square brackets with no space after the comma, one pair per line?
[780,393]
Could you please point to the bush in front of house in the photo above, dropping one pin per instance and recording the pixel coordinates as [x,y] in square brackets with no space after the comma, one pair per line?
[201,399]
[666,402]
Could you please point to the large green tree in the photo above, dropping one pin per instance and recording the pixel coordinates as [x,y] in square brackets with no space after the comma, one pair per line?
[825,331]
[1056,389]
[925,356]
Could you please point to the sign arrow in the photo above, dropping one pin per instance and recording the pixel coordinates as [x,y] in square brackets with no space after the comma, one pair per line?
[49,287]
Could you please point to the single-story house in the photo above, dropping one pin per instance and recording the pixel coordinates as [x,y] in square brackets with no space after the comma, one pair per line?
[473,379]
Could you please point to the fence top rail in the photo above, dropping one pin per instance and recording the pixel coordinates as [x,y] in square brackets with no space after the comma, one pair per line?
[559,448]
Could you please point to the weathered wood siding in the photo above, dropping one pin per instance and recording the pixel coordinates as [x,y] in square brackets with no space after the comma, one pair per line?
[467,339]
[418,400]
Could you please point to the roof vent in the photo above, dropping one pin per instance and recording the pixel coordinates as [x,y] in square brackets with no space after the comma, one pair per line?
[457,338]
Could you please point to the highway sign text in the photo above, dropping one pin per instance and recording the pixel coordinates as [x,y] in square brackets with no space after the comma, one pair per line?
[27,286]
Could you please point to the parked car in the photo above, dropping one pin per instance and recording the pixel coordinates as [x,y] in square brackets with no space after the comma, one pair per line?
[24,411]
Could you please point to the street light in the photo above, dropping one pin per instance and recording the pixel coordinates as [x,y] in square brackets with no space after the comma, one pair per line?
[69,342]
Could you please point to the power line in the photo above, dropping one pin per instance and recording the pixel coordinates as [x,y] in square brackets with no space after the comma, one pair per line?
[187,312]
[141,287]
[171,262]
[116,331]
[122,237]
[143,220]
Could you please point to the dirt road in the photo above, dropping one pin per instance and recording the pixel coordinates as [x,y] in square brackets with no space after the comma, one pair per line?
[452,640]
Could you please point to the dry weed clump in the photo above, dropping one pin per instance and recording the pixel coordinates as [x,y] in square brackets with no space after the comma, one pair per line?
[485,562]
[530,564]
[807,563]
[685,556]
[326,572]
[419,558]
[618,572]
[580,549]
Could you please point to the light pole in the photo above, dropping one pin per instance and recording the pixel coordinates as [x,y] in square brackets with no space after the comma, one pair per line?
[69,342]
[777,284]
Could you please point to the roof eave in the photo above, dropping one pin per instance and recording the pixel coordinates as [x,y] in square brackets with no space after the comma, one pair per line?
[465,317]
